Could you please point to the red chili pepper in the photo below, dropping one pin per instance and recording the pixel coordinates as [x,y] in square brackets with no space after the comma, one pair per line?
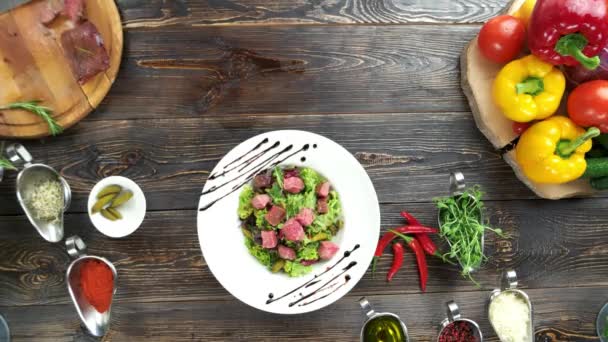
[398,251]
[420,258]
[410,218]
[425,241]
[412,229]
[427,244]
[569,32]
[382,244]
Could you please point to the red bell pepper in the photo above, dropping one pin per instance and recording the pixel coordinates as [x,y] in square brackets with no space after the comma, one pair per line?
[569,32]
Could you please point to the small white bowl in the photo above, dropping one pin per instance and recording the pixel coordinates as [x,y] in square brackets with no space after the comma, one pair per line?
[133,211]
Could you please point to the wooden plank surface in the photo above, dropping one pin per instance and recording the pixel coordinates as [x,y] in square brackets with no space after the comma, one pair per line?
[183,71]
[545,253]
[408,156]
[158,13]
[569,318]
[380,77]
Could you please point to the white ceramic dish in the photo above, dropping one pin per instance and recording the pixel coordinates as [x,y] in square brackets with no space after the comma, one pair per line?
[133,212]
[222,241]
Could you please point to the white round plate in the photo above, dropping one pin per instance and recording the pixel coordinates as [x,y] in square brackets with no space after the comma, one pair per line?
[133,212]
[222,241]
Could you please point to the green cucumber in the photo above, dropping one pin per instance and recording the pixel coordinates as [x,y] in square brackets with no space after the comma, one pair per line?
[596,168]
[599,183]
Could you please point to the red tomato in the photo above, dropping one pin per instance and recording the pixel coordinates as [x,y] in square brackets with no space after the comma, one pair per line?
[520,127]
[588,105]
[501,38]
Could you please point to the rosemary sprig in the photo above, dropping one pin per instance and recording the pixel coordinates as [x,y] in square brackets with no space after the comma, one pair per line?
[5,163]
[43,112]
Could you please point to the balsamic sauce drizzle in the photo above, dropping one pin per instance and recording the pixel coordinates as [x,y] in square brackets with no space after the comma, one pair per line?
[344,270]
[316,278]
[267,163]
[346,280]
[243,156]
[246,163]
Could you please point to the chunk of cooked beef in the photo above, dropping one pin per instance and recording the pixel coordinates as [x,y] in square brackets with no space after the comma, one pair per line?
[275,215]
[287,253]
[293,184]
[327,250]
[260,201]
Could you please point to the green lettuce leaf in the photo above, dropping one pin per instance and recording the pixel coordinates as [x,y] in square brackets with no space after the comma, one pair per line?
[311,179]
[295,269]
[263,255]
[322,223]
[293,205]
[245,208]
[260,220]
[309,252]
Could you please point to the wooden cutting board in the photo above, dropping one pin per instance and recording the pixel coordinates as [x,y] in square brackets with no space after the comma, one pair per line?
[34,67]
[477,77]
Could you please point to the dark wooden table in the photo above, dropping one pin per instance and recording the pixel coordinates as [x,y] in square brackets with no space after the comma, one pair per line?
[380,77]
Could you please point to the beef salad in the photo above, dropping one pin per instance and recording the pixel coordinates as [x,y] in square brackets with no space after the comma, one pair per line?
[289,217]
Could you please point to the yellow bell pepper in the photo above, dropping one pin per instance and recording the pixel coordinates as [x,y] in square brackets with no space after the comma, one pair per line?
[525,11]
[528,89]
[553,151]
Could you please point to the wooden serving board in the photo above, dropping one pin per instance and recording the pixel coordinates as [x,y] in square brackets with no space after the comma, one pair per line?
[477,77]
[34,67]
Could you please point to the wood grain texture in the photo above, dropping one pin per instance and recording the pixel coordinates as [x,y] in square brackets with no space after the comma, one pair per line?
[408,156]
[570,319]
[551,246]
[33,67]
[199,77]
[158,13]
[179,71]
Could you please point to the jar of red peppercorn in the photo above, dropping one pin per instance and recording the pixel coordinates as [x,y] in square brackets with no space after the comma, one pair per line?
[91,282]
[458,329]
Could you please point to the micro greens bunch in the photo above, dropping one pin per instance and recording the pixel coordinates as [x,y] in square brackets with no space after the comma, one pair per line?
[43,112]
[462,225]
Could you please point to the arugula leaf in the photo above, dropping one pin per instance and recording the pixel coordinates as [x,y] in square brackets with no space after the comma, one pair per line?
[277,173]
[276,194]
